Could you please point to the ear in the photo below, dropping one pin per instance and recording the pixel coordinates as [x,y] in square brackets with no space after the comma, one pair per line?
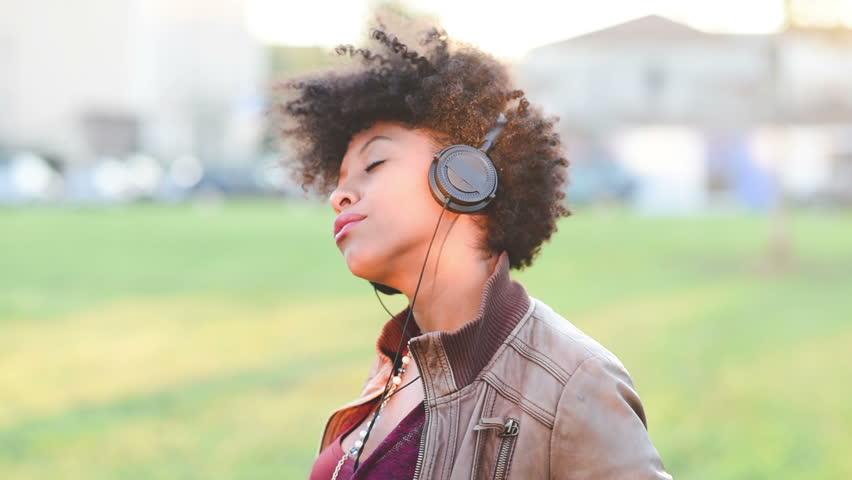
[385,289]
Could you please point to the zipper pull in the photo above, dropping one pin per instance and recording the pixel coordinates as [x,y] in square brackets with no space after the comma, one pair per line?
[509,428]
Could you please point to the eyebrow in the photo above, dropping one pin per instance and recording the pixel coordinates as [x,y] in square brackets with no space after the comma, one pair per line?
[377,137]
[364,147]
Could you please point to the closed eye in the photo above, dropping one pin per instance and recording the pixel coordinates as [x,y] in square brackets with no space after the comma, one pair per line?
[373,165]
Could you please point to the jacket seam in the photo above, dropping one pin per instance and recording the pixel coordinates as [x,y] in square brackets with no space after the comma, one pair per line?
[526,404]
[457,395]
[477,446]
[540,359]
[451,457]
[449,377]
[592,353]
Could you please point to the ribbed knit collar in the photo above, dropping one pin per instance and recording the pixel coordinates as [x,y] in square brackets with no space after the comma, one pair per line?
[503,303]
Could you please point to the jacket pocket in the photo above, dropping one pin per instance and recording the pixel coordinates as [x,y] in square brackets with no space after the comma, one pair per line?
[507,432]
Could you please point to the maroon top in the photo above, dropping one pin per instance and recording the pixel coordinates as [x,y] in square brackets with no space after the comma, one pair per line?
[395,457]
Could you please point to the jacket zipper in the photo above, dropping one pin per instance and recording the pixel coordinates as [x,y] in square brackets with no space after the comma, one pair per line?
[421,449]
[508,431]
[509,435]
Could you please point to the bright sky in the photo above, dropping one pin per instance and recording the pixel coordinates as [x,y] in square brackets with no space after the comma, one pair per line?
[504,29]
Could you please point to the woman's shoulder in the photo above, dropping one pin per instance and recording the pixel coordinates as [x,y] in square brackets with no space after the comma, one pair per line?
[599,412]
[551,334]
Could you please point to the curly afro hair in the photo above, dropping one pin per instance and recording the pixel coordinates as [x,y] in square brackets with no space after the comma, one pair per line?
[458,94]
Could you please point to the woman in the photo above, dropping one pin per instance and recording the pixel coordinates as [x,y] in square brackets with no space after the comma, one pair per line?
[475,378]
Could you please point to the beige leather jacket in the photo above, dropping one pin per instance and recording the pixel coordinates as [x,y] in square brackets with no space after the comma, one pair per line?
[517,393]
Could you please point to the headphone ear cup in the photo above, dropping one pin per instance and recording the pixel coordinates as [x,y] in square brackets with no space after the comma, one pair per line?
[465,175]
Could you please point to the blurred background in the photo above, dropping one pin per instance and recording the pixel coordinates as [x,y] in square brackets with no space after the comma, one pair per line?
[172,305]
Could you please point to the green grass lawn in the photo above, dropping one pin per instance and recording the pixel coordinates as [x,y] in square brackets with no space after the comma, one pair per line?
[156,342]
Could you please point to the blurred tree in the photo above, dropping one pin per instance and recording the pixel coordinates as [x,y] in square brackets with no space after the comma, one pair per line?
[779,249]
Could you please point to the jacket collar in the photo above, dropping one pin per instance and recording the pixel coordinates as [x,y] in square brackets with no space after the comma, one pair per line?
[450,360]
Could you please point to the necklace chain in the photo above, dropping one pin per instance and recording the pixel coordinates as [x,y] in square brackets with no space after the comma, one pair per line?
[394,388]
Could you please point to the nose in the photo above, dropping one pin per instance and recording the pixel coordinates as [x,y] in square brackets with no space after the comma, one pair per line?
[340,199]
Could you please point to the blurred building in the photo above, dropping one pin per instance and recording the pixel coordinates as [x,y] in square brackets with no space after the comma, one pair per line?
[703,119]
[653,69]
[92,79]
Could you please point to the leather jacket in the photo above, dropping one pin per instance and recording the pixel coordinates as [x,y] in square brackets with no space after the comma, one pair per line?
[519,392]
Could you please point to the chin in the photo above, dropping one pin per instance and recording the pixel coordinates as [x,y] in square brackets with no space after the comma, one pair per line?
[361,262]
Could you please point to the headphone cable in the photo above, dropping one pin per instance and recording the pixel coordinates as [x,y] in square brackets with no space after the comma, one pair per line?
[403,334]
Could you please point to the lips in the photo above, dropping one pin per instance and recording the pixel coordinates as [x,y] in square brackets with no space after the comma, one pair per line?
[346,218]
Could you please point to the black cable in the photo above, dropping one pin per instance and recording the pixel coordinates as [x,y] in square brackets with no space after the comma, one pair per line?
[403,335]
[400,388]
[380,301]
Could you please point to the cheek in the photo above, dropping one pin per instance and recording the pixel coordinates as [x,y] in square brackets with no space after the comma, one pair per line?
[409,189]
[402,216]
[405,212]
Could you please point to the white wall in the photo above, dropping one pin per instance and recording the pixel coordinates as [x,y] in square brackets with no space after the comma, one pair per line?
[187,68]
[669,162]
[60,58]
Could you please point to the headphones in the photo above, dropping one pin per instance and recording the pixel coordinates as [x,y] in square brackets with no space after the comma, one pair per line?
[463,179]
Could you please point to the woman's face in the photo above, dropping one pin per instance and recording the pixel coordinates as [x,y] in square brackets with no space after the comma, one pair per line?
[393,197]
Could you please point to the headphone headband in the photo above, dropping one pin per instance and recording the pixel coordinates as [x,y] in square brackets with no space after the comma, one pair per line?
[493,133]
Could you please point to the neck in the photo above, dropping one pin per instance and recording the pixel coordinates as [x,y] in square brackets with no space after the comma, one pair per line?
[451,288]
[503,303]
